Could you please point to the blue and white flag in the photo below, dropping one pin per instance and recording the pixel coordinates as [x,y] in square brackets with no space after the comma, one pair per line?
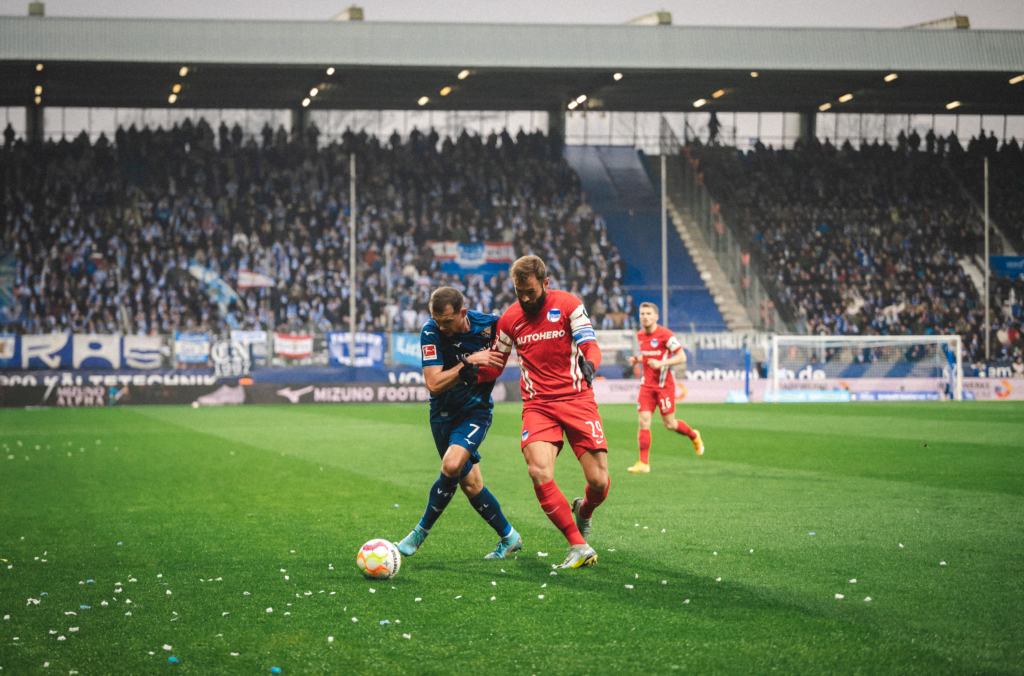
[216,288]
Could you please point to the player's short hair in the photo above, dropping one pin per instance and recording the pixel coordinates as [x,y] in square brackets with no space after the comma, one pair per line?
[651,306]
[443,297]
[529,266]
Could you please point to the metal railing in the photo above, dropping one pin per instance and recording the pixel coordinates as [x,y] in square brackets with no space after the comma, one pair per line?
[735,255]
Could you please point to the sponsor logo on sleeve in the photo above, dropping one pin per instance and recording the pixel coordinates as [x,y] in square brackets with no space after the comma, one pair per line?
[430,352]
[554,315]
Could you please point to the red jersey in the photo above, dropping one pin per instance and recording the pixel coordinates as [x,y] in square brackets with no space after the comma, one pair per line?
[658,344]
[549,344]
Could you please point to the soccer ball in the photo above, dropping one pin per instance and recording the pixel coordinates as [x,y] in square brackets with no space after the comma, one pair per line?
[379,560]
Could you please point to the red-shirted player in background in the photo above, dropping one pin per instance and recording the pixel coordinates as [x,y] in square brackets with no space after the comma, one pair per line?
[558,355]
[659,352]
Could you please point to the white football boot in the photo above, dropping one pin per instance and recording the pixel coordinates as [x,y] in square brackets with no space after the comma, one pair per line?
[579,556]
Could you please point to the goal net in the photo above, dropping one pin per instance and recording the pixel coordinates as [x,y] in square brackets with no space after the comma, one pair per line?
[795,358]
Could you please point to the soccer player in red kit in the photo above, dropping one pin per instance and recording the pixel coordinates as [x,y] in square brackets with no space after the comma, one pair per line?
[659,352]
[558,355]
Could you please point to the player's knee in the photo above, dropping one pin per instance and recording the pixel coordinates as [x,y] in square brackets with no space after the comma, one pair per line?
[540,473]
[451,468]
[599,482]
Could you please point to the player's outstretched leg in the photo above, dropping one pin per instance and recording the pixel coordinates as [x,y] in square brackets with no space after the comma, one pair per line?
[487,507]
[441,494]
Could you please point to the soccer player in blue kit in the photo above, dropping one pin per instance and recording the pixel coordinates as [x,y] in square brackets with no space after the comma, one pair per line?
[455,343]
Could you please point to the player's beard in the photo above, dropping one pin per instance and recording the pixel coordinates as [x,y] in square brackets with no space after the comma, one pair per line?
[534,307]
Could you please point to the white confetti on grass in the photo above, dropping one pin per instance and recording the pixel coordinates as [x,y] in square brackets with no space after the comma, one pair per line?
[355,619]
[853,581]
[718,579]
[493,583]
[73,629]
[167,647]
[942,563]
[629,586]
[270,610]
[406,635]
[901,545]
[540,596]
[686,601]
[839,596]
[542,553]
[417,599]
[867,598]
[233,654]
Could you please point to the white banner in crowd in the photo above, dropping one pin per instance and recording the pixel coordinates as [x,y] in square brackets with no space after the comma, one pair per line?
[293,346]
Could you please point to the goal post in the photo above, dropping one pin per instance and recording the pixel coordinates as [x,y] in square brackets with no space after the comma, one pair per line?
[848,357]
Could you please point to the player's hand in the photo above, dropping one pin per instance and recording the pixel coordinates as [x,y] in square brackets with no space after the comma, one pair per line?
[486,358]
[654,363]
[587,368]
[634,360]
[469,372]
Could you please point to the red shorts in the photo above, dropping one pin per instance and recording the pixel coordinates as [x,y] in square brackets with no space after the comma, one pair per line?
[578,418]
[661,398]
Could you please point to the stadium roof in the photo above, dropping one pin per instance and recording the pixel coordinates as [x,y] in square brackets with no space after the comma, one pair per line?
[274,64]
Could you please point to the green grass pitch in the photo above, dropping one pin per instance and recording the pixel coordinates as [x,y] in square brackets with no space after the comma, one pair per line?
[192,515]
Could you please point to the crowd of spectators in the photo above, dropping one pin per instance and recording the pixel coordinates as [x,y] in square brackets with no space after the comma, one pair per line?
[871,240]
[104,233]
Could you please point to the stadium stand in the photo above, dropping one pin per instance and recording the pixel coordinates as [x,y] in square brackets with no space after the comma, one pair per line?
[618,186]
[868,241]
[100,227]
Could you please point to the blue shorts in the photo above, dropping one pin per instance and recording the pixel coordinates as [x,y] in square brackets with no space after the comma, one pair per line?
[467,430]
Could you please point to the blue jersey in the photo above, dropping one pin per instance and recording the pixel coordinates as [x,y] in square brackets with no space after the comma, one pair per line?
[437,350]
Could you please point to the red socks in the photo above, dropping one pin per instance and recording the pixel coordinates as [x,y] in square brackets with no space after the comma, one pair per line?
[644,439]
[684,429]
[558,510]
[592,499]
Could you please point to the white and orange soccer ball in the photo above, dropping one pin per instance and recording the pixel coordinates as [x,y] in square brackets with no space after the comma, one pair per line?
[379,560]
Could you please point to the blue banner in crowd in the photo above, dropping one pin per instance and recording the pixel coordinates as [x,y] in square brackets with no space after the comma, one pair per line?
[192,348]
[369,349]
[64,350]
[1007,266]
[405,349]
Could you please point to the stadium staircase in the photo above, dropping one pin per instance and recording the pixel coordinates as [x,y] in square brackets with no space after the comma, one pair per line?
[618,187]
[724,293]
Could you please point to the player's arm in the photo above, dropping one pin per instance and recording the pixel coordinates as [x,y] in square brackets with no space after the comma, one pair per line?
[678,355]
[583,333]
[439,380]
[502,349]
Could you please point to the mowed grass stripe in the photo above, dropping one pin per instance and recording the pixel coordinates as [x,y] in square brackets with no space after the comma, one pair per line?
[773,608]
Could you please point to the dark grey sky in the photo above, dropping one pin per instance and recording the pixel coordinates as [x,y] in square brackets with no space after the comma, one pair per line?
[990,14]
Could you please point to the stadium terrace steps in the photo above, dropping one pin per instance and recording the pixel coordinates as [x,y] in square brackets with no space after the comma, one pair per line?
[735,315]
[619,188]
[971,270]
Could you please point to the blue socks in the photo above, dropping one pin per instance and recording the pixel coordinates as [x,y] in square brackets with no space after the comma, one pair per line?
[485,505]
[441,493]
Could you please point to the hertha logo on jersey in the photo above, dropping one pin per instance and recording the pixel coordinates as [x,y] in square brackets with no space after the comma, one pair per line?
[430,352]
[554,315]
